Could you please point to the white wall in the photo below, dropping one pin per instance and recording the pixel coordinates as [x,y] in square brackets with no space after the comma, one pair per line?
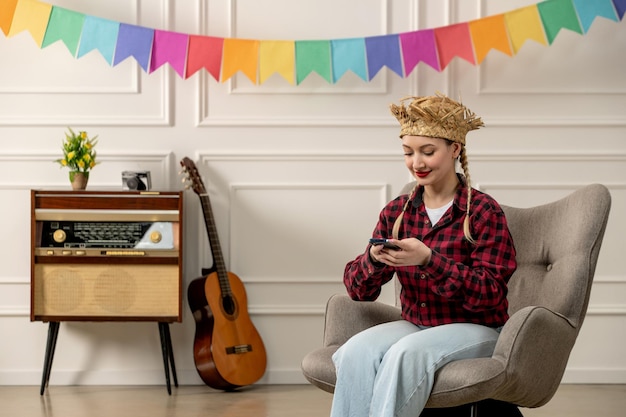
[297,175]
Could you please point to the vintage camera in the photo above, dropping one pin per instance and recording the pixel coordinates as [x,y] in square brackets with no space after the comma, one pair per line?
[136,180]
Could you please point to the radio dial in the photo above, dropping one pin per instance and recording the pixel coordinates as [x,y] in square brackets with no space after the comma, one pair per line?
[155,236]
[59,236]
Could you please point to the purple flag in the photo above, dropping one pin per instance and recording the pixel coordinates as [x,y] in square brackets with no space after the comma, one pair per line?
[383,51]
[135,41]
[419,46]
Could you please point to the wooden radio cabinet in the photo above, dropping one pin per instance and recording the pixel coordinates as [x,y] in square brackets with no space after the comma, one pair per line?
[106,256]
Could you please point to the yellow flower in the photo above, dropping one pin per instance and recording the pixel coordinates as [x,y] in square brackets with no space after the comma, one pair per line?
[79,152]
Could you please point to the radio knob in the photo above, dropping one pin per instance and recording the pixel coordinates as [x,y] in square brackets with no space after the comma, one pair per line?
[59,236]
[155,236]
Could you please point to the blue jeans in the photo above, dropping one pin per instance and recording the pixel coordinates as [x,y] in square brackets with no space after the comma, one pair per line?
[389,370]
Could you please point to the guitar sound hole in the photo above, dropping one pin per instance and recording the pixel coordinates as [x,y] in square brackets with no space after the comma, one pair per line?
[228,304]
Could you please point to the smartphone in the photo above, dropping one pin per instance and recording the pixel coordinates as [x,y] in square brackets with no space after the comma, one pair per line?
[384,242]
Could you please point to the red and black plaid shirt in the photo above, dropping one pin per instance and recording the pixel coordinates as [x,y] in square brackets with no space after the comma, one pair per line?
[463,282]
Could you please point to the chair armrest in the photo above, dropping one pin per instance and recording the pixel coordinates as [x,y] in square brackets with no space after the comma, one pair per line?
[525,369]
[346,317]
[534,347]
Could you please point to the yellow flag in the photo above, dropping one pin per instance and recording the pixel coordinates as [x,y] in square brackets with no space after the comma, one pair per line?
[240,55]
[33,16]
[277,56]
[525,24]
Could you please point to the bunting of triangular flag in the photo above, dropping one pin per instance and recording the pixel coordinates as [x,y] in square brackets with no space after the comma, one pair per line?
[295,60]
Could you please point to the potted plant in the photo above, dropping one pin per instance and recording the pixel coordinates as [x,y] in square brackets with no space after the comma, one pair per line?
[79,155]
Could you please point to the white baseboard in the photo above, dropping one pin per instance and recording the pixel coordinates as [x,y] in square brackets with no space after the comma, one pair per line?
[272,377]
[133,377]
[594,376]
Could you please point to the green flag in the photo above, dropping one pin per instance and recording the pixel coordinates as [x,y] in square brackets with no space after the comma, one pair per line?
[557,15]
[313,56]
[65,25]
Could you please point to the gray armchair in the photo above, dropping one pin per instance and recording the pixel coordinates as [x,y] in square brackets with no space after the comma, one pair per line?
[557,251]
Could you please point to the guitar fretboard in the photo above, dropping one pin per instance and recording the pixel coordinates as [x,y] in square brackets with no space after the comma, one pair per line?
[214,241]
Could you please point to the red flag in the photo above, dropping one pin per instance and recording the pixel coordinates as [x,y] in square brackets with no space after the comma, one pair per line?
[205,52]
[454,40]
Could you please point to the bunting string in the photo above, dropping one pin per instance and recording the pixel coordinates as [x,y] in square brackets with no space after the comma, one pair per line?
[295,60]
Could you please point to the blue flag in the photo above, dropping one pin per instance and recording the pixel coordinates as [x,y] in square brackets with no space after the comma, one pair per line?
[348,54]
[100,34]
[589,10]
[135,41]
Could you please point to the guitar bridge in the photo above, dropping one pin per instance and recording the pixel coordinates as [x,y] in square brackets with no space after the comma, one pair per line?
[239,349]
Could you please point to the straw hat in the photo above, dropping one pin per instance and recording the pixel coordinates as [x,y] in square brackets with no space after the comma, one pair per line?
[435,116]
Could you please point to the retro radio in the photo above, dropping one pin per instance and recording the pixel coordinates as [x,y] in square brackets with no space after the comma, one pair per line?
[106,255]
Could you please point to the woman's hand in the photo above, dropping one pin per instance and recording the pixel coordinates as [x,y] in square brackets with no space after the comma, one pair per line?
[412,252]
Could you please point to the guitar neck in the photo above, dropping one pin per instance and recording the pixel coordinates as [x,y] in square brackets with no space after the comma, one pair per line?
[214,242]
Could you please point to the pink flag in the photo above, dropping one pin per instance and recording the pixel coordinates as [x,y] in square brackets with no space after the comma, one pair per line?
[169,47]
[419,46]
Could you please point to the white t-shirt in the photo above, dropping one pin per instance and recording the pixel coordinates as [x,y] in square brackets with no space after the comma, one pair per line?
[435,214]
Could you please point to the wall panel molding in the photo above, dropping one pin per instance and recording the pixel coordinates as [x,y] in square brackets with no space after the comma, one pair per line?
[123,95]
[607,310]
[523,156]
[476,156]
[584,122]
[112,163]
[570,186]
[14,311]
[237,156]
[287,310]
[278,94]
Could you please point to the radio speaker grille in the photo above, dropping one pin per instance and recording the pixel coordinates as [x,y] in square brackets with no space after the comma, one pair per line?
[102,291]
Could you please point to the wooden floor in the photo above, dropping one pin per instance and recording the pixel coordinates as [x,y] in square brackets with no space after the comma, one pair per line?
[255,401]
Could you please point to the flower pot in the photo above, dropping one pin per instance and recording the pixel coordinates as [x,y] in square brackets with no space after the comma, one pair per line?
[79,180]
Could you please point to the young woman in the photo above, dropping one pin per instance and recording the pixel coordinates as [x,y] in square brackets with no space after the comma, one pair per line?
[453,259]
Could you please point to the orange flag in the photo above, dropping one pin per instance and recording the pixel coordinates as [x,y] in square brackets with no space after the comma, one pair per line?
[33,16]
[240,55]
[277,56]
[7,9]
[524,24]
[489,33]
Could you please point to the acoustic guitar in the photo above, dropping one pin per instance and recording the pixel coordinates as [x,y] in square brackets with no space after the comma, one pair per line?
[228,350]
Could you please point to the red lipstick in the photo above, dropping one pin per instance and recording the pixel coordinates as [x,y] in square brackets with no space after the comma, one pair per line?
[422,174]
